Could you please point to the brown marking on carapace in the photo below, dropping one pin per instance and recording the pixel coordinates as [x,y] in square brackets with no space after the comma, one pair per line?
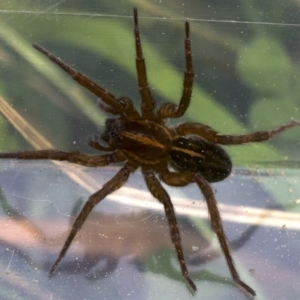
[145,140]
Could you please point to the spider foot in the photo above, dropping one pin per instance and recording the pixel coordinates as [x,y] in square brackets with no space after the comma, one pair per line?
[246,287]
[191,284]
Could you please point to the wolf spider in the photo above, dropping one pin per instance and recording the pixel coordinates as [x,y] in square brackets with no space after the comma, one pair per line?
[142,139]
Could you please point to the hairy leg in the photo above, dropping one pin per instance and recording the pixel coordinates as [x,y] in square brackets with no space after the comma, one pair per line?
[148,103]
[176,178]
[157,190]
[184,178]
[83,80]
[73,157]
[170,110]
[112,185]
[225,139]
[217,227]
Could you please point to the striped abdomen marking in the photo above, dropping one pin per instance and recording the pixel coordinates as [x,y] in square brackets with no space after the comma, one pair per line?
[197,155]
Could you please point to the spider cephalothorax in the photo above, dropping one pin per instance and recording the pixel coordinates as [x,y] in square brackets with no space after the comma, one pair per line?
[141,139]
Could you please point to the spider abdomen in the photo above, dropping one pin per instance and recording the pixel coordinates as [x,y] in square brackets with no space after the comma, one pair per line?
[200,156]
[143,141]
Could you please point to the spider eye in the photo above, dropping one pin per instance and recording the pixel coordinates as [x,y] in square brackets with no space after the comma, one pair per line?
[200,156]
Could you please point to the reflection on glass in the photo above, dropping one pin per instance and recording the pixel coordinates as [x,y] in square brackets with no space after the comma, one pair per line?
[246,62]
[125,244]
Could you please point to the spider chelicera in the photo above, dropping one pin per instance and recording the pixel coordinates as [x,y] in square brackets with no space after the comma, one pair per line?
[142,139]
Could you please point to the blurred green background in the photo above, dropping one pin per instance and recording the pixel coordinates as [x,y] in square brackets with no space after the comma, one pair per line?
[245,54]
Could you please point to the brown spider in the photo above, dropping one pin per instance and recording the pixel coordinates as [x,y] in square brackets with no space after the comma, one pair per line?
[143,140]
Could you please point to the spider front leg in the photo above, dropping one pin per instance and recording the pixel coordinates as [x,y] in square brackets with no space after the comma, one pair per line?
[157,190]
[112,185]
[73,157]
[183,179]
[83,80]
[170,110]
[211,135]
[148,102]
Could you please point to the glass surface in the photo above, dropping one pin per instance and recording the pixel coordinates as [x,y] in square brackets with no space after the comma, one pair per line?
[124,251]
[246,61]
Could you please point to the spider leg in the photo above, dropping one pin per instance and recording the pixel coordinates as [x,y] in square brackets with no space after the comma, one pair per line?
[170,110]
[148,103]
[106,107]
[226,139]
[157,190]
[183,179]
[128,108]
[217,227]
[112,185]
[83,80]
[179,179]
[73,157]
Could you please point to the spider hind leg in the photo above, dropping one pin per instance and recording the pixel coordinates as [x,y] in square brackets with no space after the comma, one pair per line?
[157,190]
[217,227]
[183,179]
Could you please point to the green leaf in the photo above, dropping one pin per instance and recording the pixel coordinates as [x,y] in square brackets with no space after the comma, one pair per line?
[264,66]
